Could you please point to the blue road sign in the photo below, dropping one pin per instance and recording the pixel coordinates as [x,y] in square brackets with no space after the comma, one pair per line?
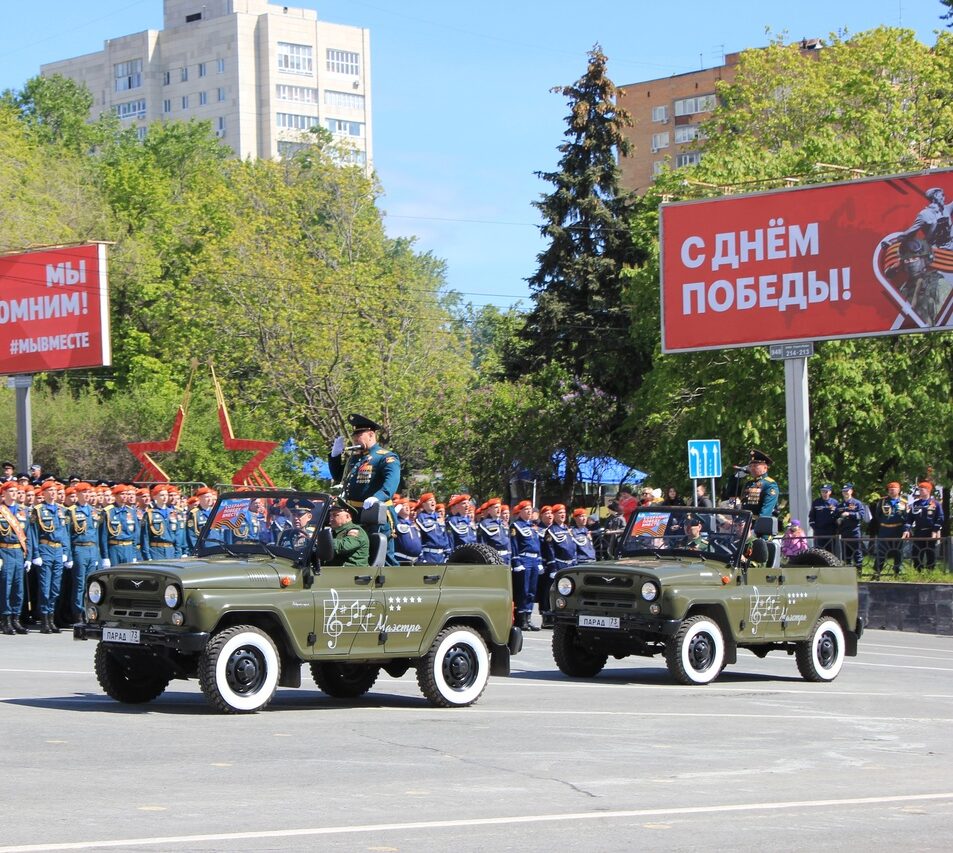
[704,458]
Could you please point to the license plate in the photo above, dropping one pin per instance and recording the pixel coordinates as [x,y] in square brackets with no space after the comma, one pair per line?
[122,635]
[598,621]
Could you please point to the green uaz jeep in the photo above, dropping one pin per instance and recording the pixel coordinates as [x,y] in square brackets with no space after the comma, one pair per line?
[258,600]
[697,585]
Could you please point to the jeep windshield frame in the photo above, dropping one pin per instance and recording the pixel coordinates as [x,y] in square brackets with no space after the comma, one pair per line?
[266,522]
[663,533]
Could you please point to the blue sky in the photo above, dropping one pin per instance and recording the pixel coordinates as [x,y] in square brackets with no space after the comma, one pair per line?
[463,115]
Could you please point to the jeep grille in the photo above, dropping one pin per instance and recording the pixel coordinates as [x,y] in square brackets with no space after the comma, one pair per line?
[613,581]
[136,584]
[607,600]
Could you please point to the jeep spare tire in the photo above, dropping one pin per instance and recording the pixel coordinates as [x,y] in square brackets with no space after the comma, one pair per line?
[475,554]
[815,557]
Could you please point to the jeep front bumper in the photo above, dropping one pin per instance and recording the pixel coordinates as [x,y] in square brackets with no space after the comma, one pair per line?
[185,642]
[629,623]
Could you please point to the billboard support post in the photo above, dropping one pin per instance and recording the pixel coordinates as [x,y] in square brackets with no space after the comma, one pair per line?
[797,411]
[22,384]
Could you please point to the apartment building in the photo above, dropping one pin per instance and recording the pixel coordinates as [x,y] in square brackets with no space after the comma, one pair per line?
[262,74]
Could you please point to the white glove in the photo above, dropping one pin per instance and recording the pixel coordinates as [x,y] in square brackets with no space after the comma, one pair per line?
[37,561]
[338,447]
[69,564]
[62,558]
[518,568]
[135,560]
[369,502]
[27,566]
[105,563]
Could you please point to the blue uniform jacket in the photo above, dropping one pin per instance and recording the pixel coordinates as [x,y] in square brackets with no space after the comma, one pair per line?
[823,516]
[375,474]
[559,548]
[407,542]
[524,544]
[585,549]
[492,533]
[926,516]
[760,495]
[459,531]
[850,514]
[433,538]
[119,524]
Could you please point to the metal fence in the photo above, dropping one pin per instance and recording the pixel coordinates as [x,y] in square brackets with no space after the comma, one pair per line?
[844,548]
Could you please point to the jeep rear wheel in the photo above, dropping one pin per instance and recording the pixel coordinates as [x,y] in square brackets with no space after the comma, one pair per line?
[821,656]
[696,654]
[344,680]
[239,670]
[455,670]
[572,658]
[131,680]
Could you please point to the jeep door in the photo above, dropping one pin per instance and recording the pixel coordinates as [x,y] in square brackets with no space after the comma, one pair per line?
[800,600]
[409,597]
[765,604]
[347,609]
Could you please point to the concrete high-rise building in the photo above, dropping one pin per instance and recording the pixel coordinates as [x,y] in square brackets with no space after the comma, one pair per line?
[668,113]
[262,74]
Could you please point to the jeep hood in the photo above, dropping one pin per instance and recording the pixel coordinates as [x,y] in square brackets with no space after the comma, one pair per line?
[667,572]
[212,573]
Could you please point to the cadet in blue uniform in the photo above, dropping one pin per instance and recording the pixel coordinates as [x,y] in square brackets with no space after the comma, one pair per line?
[159,537]
[15,555]
[374,475]
[524,544]
[119,530]
[433,538]
[492,531]
[823,518]
[926,522]
[893,526]
[760,492]
[559,548]
[82,522]
[850,515]
[407,543]
[50,549]
[459,530]
[582,536]
[198,516]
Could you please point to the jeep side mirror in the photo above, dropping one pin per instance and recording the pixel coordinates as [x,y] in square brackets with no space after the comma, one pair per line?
[325,545]
[759,551]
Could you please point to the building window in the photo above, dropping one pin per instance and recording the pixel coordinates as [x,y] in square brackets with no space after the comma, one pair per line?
[686,133]
[221,93]
[295,58]
[659,140]
[166,78]
[657,167]
[167,105]
[690,158]
[292,121]
[345,128]
[185,102]
[221,66]
[660,114]
[699,104]
[128,75]
[201,69]
[344,62]
[131,109]
[220,127]
[184,74]
[301,94]
[203,98]
[343,100]
[195,16]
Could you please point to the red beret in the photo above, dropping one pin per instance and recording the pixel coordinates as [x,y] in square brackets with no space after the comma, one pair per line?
[579,510]
[204,490]
[10,484]
[426,496]
[521,506]
[558,507]
[457,499]
[160,487]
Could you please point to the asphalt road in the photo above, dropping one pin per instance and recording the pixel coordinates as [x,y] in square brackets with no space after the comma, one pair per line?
[760,760]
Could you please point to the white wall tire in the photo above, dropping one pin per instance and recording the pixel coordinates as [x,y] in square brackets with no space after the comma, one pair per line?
[239,670]
[455,671]
[696,654]
[821,656]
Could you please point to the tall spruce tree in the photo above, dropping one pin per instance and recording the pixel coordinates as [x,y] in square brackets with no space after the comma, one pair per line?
[580,320]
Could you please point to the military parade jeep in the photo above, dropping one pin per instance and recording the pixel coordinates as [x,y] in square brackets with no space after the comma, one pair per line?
[695,585]
[242,616]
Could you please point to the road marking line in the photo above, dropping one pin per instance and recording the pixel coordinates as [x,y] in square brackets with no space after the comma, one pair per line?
[475,822]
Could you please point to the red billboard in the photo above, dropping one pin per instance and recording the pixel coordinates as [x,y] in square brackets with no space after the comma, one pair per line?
[54,309]
[852,259]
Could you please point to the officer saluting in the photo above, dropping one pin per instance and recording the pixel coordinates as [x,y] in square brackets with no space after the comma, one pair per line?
[374,475]
[759,493]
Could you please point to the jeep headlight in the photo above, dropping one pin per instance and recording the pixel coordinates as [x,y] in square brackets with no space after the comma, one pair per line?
[172,596]
[95,592]
[565,586]
[649,591]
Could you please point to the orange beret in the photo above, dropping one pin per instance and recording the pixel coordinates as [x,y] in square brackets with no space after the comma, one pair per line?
[193,501]
[204,490]
[505,506]
[579,511]
[925,484]
[426,496]
[521,506]
[10,484]
[144,492]
[82,487]
[69,490]
[457,499]
[441,506]
[160,487]
[558,507]
[492,502]
[893,485]
[119,489]
[546,508]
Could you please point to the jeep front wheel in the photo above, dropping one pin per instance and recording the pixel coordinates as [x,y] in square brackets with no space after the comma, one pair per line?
[696,654]
[572,658]
[455,670]
[344,680]
[239,670]
[821,656]
[131,681]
